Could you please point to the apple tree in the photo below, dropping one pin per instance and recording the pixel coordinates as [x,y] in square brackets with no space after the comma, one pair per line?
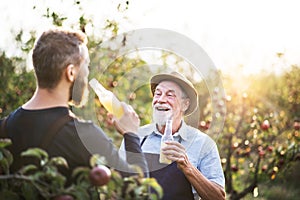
[42,179]
[260,138]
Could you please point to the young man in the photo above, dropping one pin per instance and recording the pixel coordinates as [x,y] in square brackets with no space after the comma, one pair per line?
[60,60]
[196,169]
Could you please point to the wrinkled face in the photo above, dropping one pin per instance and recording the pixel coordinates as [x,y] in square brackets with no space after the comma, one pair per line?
[168,101]
[79,89]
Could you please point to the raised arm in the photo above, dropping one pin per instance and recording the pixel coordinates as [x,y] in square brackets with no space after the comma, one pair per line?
[127,126]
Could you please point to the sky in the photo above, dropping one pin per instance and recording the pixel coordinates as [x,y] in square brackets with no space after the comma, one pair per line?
[244,35]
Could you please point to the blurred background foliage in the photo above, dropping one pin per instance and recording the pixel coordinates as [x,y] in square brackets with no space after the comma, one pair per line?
[259,115]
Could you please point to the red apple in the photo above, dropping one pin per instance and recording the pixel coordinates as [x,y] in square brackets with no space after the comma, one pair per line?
[204,125]
[235,145]
[262,153]
[100,175]
[265,125]
[296,125]
[270,148]
[238,152]
[264,168]
[234,168]
[207,124]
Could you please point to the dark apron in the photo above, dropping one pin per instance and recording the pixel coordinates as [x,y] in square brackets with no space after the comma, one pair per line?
[174,183]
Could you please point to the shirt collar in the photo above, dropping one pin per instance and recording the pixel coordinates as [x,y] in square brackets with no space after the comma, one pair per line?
[182,132]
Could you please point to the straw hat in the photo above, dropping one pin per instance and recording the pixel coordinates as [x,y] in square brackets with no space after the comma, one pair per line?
[183,82]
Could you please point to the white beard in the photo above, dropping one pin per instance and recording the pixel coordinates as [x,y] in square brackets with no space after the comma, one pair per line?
[161,117]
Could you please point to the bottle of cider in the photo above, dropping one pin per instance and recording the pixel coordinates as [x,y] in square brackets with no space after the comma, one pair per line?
[107,99]
[166,137]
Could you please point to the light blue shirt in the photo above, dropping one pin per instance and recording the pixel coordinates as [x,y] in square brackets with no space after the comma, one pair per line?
[201,150]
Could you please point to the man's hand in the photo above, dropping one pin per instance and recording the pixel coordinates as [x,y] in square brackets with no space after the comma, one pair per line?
[129,122]
[204,187]
[176,152]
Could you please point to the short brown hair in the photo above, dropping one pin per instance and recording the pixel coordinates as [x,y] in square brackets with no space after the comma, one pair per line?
[53,52]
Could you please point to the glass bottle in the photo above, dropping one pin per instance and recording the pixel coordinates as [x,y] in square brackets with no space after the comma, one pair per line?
[167,136]
[107,99]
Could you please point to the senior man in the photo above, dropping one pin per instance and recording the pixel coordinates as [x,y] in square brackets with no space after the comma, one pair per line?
[195,171]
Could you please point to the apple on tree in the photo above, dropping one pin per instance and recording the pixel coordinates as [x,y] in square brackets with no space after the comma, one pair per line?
[297,124]
[265,125]
[99,175]
[264,168]
[262,153]
[234,168]
[270,148]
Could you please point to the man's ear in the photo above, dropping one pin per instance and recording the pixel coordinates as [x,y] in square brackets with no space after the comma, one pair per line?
[185,104]
[71,73]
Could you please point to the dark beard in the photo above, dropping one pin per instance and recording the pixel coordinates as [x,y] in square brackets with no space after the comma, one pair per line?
[78,93]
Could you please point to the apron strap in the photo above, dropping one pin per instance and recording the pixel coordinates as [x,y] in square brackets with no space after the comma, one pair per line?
[144,139]
[55,127]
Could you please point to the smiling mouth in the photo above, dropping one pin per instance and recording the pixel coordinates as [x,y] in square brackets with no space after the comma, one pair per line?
[162,108]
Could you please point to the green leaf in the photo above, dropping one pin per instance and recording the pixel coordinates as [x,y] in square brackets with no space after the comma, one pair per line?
[8,156]
[36,152]
[4,165]
[58,161]
[96,159]
[5,142]
[53,177]
[154,197]
[27,169]
[80,173]
[138,191]
[154,184]
[29,191]
[80,192]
